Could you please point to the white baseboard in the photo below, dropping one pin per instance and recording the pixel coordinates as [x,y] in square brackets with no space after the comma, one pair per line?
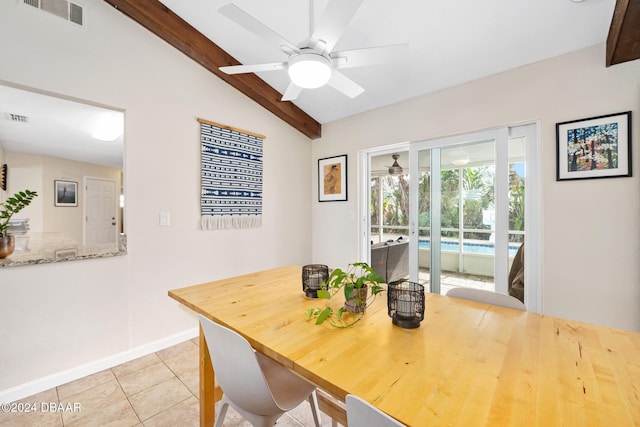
[41,384]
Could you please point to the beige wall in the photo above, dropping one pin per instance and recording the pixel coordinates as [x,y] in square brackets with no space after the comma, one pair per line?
[83,315]
[591,233]
[25,172]
[38,173]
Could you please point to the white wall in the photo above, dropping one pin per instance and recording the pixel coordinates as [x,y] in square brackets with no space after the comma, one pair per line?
[591,233]
[61,316]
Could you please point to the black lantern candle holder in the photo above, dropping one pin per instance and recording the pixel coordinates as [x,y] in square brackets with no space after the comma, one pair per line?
[313,276]
[405,302]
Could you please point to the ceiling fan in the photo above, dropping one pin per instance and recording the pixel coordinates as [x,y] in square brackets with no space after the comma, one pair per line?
[315,64]
[394,170]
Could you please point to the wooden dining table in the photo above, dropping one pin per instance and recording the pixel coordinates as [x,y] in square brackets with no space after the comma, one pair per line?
[468,364]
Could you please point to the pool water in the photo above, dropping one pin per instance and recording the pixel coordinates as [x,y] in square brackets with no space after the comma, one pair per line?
[468,248]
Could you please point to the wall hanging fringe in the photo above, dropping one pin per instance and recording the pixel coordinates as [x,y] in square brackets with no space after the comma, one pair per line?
[231,177]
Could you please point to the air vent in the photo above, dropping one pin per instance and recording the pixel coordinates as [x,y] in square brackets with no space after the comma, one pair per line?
[64,9]
[75,13]
[17,118]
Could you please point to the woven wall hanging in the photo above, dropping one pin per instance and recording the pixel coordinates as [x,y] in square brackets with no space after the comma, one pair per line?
[231,177]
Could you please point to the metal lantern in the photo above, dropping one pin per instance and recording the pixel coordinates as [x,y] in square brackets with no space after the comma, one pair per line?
[405,302]
[313,276]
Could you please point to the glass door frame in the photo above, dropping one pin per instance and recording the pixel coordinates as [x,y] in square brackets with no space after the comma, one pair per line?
[501,136]
[501,189]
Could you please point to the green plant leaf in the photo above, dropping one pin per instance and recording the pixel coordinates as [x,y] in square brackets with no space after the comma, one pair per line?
[312,312]
[324,294]
[13,205]
[348,291]
[376,289]
[324,315]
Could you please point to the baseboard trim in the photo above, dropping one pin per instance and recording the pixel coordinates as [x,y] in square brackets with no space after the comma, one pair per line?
[45,383]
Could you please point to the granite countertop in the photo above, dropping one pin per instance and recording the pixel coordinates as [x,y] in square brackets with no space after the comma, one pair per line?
[43,248]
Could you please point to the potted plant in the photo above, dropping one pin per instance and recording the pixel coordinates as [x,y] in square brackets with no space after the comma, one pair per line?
[359,284]
[8,208]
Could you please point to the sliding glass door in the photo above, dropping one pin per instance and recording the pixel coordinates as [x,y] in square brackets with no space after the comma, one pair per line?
[389,196]
[460,202]
[456,211]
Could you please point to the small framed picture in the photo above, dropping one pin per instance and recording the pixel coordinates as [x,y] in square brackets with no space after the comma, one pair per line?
[597,147]
[66,193]
[3,177]
[332,179]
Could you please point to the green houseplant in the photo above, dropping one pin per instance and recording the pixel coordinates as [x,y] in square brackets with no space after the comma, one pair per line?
[359,284]
[8,208]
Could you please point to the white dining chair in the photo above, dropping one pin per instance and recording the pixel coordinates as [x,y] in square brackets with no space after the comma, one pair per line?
[361,413]
[255,386]
[488,297]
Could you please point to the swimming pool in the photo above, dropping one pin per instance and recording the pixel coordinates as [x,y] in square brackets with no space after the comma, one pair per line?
[468,248]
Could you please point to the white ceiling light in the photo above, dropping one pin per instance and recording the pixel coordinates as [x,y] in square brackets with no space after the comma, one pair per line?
[309,70]
[458,156]
[460,162]
[109,127]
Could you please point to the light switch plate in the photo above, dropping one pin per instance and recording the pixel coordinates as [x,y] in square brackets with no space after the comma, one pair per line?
[165,219]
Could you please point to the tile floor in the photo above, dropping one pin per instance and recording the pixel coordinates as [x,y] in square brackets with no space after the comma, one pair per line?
[160,389]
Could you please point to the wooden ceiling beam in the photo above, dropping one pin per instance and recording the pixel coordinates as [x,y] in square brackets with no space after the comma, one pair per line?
[623,41]
[164,23]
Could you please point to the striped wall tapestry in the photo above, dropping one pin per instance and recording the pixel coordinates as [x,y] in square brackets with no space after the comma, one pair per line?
[231,177]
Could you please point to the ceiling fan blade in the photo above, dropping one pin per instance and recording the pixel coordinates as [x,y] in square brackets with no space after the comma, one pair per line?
[371,56]
[240,69]
[292,92]
[333,23]
[344,84]
[251,24]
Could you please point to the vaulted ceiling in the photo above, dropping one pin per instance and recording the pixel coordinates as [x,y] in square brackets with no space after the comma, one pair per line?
[449,43]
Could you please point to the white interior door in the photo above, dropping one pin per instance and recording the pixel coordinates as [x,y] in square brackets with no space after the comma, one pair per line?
[100,212]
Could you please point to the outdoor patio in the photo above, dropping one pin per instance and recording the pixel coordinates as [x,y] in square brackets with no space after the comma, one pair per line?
[450,280]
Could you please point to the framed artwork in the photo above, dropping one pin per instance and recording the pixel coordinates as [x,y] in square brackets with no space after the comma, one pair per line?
[597,147]
[332,179]
[66,193]
[3,177]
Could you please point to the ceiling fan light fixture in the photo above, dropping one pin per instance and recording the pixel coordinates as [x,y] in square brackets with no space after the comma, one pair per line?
[395,168]
[309,70]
